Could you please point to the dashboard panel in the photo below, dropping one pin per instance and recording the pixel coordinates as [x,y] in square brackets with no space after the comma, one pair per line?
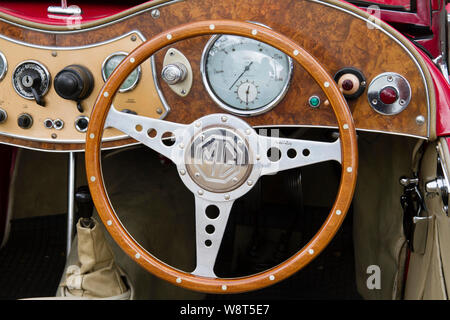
[388,89]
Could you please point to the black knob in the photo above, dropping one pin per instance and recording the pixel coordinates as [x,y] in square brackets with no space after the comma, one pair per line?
[75,83]
[85,206]
[25,121]
[3,115]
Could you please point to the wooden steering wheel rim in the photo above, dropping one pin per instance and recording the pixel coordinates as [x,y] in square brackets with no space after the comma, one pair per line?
[349,158]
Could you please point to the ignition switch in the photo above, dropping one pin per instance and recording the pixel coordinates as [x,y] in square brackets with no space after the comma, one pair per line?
[31,81]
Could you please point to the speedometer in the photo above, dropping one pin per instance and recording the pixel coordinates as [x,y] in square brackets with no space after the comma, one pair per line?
[245,76]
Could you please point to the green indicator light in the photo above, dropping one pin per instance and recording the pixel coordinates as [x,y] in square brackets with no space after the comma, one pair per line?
[314,101]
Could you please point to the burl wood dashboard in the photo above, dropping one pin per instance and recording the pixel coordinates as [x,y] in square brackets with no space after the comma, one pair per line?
[336,34]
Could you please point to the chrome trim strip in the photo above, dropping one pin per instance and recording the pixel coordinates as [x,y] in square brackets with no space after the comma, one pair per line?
[94,27]
[92,45]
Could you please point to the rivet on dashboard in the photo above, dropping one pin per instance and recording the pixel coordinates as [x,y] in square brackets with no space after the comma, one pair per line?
[169,36]
[178,280]
[271,277]
[420,120]
[54,53]
[224,119]
[137,255]
[92,136]
[54,136]
[224,287]
[106,94]
[250,182]
[326,84]
[182,172]
[338,212]
[345,126]
[155,14]
[133,38]
[349,169]
[159,111]
[109,222]
[227,197]
[212,27]
[296,52]
[92,178]
[200,192]
[254,32]
[132,60]
[311,251]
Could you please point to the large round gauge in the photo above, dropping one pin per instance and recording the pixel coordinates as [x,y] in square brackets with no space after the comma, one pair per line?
[3,66]
[111,62]
[245,76]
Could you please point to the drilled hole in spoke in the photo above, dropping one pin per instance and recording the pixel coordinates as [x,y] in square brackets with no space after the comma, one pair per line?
[151,133]
[212,212]
[306,152]
[291,153]
[208,243]
[138,128]
[274,154]
[210,229]
[168,139]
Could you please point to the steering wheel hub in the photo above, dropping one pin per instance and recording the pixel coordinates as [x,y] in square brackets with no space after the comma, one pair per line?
[218,159]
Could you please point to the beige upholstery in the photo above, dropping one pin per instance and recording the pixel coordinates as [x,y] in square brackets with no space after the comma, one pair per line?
[96,274]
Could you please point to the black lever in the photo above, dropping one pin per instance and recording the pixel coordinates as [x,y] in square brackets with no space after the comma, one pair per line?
[32,81]
[85,206]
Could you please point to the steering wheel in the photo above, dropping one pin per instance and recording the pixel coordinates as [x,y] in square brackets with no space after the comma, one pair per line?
[219,158]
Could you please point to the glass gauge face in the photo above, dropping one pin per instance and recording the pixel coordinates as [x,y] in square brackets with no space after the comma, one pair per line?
[112,62]
[3,66]
[245,76]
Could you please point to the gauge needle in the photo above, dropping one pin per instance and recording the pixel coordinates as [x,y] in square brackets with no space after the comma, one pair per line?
[245,70]
[246,94]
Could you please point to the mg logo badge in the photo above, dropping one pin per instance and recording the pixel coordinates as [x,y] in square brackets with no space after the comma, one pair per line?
[218,160]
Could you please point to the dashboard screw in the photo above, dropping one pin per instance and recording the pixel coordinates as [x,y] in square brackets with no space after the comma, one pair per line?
[420,120]
[155,14]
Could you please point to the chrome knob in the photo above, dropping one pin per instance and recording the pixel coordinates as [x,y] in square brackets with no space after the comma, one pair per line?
[174,73]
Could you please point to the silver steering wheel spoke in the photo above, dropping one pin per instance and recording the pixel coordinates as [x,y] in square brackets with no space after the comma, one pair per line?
[210,222]
[279,154]
[159,135]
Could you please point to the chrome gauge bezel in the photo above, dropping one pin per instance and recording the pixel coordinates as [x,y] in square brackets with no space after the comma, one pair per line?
[105,78]
[47,74]
[226,106]
[5,68]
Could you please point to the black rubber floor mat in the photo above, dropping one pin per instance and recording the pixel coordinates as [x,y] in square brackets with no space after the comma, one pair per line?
[33,259]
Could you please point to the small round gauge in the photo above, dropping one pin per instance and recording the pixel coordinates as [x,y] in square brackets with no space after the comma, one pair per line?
[245,76]
[111,62]
[3,66]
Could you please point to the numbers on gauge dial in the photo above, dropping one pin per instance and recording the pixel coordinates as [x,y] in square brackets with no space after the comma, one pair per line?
[244,74]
